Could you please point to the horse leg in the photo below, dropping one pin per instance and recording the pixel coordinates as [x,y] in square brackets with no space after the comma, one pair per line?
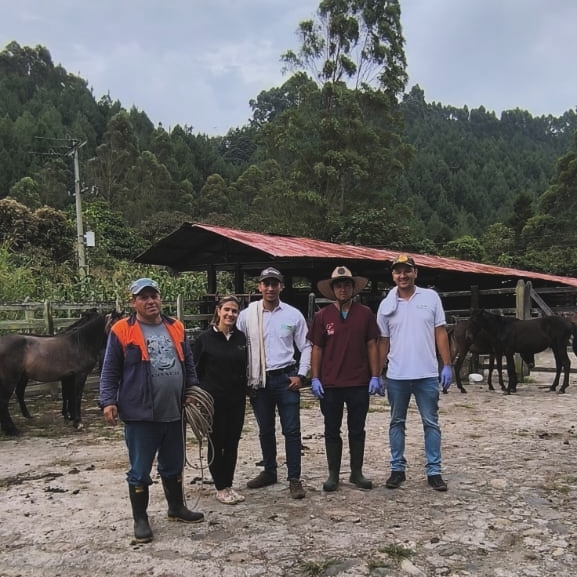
[20,389]
[500,370]
[491,368]
[6,422]
[457,367]
[561,362]
[67,396]
[512,374]
[78,391]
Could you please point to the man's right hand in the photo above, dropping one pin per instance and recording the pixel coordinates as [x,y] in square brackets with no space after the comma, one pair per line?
[110,413]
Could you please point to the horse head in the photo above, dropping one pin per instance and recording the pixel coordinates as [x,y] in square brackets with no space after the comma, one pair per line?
[112,318]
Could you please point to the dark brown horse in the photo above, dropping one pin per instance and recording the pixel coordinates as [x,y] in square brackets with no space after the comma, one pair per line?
[462,341]
[527,337]
[68,357]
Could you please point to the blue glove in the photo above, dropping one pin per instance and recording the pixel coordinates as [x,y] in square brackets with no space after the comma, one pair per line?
[446,377]
[376,386]
[317,389]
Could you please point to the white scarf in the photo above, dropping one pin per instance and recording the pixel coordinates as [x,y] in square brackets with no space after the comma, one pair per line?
[256,367]
[389,305]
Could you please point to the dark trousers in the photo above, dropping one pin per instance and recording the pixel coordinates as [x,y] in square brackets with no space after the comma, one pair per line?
[147,440]
[277,395]
[356,400]
[227,425]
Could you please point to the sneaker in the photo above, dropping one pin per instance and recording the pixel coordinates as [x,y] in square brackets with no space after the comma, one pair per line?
[226,496]
[263,479]
[296,489]
[437,482]
[239,498]
[396,479]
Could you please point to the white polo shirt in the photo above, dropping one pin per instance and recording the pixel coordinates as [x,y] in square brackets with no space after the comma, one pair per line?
[411,330]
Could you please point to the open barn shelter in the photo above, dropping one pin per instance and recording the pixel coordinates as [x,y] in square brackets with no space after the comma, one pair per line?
[305,261]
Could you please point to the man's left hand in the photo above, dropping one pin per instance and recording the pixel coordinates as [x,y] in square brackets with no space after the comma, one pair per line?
[446,377]
[376,386]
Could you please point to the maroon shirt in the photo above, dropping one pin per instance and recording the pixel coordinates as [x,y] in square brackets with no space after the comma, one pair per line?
[345,360]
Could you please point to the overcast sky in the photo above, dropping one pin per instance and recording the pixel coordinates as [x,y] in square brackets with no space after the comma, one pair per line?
[199,62]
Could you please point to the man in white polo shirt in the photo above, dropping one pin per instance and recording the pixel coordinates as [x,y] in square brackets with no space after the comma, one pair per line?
[412,323]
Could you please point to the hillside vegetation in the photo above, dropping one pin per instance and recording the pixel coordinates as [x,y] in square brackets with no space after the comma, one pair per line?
[326,155]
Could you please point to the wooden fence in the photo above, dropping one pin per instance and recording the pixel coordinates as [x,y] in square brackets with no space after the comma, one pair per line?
[522,301]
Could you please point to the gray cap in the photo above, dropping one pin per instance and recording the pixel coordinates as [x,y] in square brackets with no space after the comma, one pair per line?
[139,285]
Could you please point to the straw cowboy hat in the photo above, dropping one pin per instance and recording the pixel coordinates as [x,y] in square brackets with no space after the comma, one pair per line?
[341,272]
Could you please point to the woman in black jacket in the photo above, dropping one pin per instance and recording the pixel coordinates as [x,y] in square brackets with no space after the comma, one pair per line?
[221,359]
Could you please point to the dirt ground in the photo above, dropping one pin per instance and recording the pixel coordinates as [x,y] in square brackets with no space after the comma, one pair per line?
[511,508]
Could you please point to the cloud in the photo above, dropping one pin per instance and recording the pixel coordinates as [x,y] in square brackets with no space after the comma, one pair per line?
[200,62]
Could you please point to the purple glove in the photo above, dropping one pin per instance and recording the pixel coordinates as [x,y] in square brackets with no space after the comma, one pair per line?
[446,377]
[376,386]
[317,389]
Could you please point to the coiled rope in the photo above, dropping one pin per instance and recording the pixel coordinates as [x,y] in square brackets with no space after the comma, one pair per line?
[198,415]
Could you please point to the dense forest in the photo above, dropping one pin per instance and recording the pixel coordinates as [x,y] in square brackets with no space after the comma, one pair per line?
[341,151]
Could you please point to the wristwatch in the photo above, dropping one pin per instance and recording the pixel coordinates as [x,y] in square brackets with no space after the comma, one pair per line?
[302,378]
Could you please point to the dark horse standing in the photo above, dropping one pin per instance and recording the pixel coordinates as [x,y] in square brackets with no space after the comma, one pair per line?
[68,357]
[462,341]
[527,337]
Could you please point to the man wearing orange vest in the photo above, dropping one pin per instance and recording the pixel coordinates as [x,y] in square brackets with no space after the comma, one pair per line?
[147,372]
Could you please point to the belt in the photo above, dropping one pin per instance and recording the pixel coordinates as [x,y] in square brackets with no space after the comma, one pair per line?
[280,371]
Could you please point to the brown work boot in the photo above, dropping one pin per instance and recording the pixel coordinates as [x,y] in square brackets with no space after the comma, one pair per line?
[263,479]
[296,489]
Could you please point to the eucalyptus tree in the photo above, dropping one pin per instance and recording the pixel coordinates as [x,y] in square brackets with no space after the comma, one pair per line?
[339,133]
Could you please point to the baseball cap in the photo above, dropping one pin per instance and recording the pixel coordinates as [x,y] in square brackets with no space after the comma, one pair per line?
[270,272]
[404,259]
[139,285]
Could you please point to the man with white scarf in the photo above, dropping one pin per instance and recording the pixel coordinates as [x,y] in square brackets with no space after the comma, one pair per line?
[273,330]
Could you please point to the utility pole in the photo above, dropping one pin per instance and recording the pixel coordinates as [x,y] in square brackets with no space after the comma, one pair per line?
[76,145]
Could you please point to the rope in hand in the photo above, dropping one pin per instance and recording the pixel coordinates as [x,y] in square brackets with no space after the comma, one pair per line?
[198,415]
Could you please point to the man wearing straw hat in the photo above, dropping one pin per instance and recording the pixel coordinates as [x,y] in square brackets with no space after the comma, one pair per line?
[344,370]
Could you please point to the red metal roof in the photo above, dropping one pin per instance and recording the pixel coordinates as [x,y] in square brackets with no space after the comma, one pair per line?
[195,245]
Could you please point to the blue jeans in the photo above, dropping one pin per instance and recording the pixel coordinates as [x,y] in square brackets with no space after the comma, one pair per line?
[332,408]
[276,395]
[426,392]
[144,440]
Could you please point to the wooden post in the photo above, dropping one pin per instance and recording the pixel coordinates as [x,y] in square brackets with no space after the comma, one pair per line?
[238,280]
[211,279]
[179,307]
[522,312]
[474,364]
[48,320]
[311,308]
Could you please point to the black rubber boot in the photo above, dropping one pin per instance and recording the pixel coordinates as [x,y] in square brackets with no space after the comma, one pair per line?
[334,452]
[177,510]
[357,450]
[139,501]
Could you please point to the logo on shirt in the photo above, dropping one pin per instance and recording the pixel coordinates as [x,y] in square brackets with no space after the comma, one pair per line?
[330,328]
